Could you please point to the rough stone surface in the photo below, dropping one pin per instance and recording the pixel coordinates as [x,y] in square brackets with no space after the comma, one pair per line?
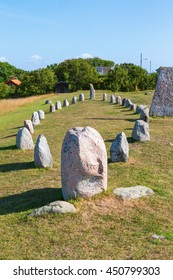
[52,108]
[35,118]
[41,114]
[119,150]
[28,124]
[81,97]
[24,139]
[48,101]
[141,131]
[65,103]
[83,163]
[92,92]
[133,107]
[139,108]
[162,102]
[132,192]
[61,207]
[118,100]
[42,155]
[161,237]
[127,103]
[74,100]
[105,97]
[144,115]
[123,101]
[112,99]
[58,105]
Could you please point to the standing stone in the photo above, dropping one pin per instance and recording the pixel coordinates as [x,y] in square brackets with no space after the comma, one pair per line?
[92,92]
[118,100]
[83,163]
[58,105]
[162,102]
[65,103]
[120,148]
[139,108]
[81,97]
[141,131]
[52,108]
[144,115]
[127,102]
[48,101]
[42,155]
[24,139]
[104,96]
[123,101]
[28,124]
[74,100]
[133,107]
[41,114]
[112,99]
[35,118]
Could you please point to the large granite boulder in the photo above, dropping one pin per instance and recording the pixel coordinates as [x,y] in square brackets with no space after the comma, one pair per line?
[52,108]
[24,139]
[74,100]
[144,115]
[35,118]
[133,192]
[28,124]
[42,154]
[105,96]
[118,100]
[92,92]
[83,163]
[162,102]
[141,131]
[65,103]
[119,150]
[112,99]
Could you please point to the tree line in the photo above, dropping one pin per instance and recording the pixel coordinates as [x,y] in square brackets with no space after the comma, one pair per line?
[79,73]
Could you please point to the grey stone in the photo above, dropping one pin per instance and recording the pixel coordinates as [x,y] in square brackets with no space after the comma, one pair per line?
[65,103]
[41,114]
[24,139]
[112,99]
[141,131]
[74,100]
[83,163]
[119,150]
[28,124]
[35,118]
[139,108]
[61,207]
[48,101]
[92,92]
[123,101]
[162,102]
[148,93]
[127,103]
[118,100]
[52,108]
[58,105]
[81,97]
[133,107]
[42,154]
[144,115]
[133,192]
[104,96]
[161,237]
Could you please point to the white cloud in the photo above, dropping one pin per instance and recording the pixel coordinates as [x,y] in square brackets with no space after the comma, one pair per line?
[86,55]
[35,58]
[3,59]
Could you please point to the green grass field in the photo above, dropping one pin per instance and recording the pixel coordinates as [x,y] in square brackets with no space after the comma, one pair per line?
[103,227]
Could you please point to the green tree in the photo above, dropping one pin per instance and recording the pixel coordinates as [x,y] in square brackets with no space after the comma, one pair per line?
[96,61]
[78,72]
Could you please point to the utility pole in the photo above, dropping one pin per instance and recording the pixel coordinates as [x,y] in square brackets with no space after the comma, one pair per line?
[150,66]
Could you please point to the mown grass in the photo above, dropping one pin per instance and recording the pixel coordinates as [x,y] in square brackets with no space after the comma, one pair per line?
[104,227]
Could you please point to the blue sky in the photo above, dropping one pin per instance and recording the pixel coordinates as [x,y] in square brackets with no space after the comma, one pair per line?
[37,33]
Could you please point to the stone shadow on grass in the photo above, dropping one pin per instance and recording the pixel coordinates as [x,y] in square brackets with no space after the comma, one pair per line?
[8,167]
[12,147]
[29,200]
[9,136]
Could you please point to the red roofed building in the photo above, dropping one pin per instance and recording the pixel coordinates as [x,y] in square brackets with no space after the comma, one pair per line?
[13,82]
